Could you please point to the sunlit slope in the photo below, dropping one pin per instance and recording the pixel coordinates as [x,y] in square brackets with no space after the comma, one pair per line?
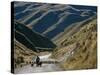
[22,54]
[79,51]
[70,30]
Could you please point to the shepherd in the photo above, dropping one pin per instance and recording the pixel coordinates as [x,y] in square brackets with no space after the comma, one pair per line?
[38,63]
[37,60]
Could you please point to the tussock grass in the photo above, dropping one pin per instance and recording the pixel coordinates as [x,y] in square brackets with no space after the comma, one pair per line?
[85,53]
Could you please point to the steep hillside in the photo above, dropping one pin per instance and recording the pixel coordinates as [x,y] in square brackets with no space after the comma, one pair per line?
[22,54]
[24,40]
[70,30]
[79,51]
[51,20]
[32,39]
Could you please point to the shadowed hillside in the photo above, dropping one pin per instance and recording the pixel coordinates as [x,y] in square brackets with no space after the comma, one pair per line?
[79,51]
[27,43]
[24,40]
[51,19]
[32,39]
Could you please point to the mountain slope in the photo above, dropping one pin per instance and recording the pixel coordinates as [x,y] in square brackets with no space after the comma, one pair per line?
[70,30]
[51,20]
[35,39]
[22,54]
[24,40]
[80,50]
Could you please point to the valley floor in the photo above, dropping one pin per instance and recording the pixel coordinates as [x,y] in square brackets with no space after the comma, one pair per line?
[45,67]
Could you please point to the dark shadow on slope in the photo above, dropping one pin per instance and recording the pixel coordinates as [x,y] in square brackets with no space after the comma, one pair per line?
[40,42]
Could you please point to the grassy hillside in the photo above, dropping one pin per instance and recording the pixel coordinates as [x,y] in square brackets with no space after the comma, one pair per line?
[70,30]
[79,51]
[22,55]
